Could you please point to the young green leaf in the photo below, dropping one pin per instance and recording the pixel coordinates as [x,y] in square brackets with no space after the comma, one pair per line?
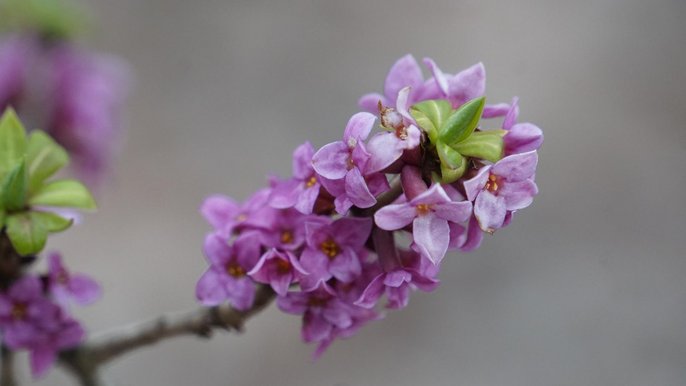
[27,236]
[63,193]
[14,188]
[461,123]
[44,157]
[12,141]
[430,116]
[51,222]
[486,145]
[453,164]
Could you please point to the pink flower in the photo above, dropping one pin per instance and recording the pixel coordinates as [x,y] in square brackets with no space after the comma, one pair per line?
[302,190]
[279,269]
[65,286]
[506,186]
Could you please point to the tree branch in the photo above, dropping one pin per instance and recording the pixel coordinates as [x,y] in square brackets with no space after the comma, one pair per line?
[7,368]
[85,360]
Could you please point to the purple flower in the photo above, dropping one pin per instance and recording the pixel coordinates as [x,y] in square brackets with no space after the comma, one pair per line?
[285,229]
[359,318]
[30,321]
[429,214]
[387,147]
[302,190]
[400,274]
[343,165]
[505,186]
[65,286]
[464,86]
[333,250]
[227,278]
[520,137]
[228,217]
[404,73]
[322,311]
[15,54]
[88,95]
[279,269]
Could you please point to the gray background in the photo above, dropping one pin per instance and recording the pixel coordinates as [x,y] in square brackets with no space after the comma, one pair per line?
[586,288]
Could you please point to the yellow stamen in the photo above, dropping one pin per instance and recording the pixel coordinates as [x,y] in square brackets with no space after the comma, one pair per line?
[423,209]
[19,310]
[310,183]
[235,270]
[287,237]
[330,248]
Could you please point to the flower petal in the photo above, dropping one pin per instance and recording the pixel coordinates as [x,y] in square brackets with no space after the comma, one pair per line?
[84,289]
[523,137]
[210,288]
[517,167]
[219,210]
[357,190]
[370,102]
[372,293]
[467,85]
[392,217]
[385,149]
[455,211]
[518,195]
[331,161]
[477,183]
[302,161]
[490,211]
[432,235]
[404,72]
[358,128]
[439,77]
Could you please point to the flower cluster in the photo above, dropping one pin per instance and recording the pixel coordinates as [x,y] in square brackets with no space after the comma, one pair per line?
[34,313]
[74,95]
[327,240]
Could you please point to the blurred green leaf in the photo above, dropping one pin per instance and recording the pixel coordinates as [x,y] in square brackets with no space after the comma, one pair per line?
[14,188]
[461,123]
[52,19]
[51,222]
[27,236]
[12,141]
[45,158]
[63,193]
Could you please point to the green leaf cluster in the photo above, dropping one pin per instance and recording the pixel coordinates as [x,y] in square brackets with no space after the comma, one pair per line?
[453,135]
[52,19]
[26,165]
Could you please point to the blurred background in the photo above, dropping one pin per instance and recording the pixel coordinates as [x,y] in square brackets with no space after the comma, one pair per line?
[587,288]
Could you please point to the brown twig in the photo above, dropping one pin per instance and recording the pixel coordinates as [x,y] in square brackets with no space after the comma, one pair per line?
[85,360]
[7,368]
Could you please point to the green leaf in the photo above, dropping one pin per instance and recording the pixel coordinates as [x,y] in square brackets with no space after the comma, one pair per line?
[430,116]
[51,222]
[486,145]
[462,122]
[14,188]
[27,236]
[63,193]
[453,164]
[45,158]
[12,141]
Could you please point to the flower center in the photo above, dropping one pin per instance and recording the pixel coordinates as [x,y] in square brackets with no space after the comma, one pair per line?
[310,183]
[235,270]
[241,217]
[391,119]
[19,310]
[423,209]
[318,301]
[283,266]
[286,237]
[330,248]
[492,185]
[62,278]
[401,133]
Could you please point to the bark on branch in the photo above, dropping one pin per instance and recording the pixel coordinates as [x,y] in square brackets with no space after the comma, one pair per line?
[85,360]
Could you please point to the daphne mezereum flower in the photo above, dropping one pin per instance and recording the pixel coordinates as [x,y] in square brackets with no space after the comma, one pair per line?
[227,216]
[279,269]
[429,214]
[29,320]
[343,166]
[401,134]
[405,72]
[75,95]
[401,273]
[520,137]
[300,191]
[322,310]
[65,286]
[285,228]
[227,277]
[506,186]
[333,250]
